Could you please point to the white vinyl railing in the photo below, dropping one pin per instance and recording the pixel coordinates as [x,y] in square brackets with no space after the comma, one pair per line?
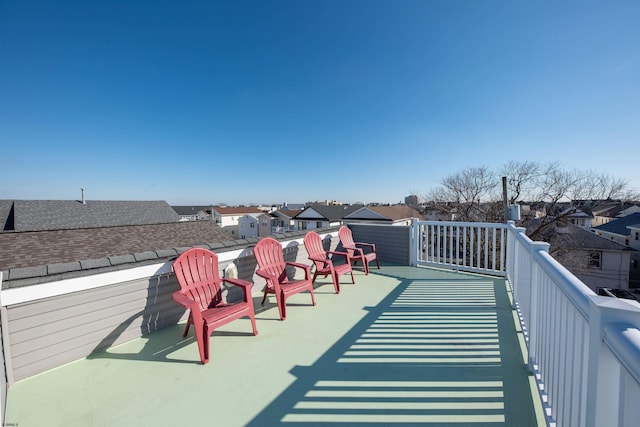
[466,246]
[584,349]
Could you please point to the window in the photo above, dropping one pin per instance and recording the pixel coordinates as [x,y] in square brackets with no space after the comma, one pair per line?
[595,259]
[318,224]
[252,225]
[637,236]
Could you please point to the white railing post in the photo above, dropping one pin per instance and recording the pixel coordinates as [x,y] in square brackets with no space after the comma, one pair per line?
[604,382]
[414,242]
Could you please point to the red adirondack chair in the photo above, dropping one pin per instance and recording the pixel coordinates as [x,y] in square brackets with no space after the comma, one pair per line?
[201,292]
[324,265]
[273,268]
[356,250]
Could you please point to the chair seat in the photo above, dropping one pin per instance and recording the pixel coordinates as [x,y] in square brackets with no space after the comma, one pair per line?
[223,311]
[371,256]
[291,287]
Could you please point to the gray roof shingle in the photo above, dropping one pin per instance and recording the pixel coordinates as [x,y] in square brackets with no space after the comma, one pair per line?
[38,215]
[573,237]
[332,213]
[619,226]
[36,248]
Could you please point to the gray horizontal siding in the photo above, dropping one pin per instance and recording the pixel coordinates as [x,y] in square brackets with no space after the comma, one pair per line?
[392,242]
[53,331]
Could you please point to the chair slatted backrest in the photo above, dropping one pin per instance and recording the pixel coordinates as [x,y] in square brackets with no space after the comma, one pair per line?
[268,253]
[197,273]
[313,245]
[346,238]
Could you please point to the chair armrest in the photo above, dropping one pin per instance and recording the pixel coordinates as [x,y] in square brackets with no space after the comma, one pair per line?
[358,251]
[272,280]
[344,254]
[239,282]
[318,259]
[305,267]
[185,301]
[371,245]
[244,284]
[194,308]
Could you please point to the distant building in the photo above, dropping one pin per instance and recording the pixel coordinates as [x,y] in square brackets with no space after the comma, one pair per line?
[193,213]
[227,218]
[596,261]
[322,216]
[283,220]
[390,215]
[618,230]
[254,225]
[411,200]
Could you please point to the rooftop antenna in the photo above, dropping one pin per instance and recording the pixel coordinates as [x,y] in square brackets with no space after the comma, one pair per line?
[83,201]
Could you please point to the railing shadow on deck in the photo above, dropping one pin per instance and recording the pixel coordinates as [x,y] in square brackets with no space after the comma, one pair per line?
[438,351]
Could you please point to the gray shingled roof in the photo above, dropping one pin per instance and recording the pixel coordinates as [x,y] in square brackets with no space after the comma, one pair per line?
[619,226]
[572,237]
[190,210]
[40,253]
[38,215]
[333,213]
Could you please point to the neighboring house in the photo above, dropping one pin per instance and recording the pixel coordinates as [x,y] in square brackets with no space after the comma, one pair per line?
[634,236]
[634,242]
[254,225]
[283,220]
[618,230]
[390,215]
[37,215]
[193,213]
[322,216]
[581,218]
[227,218]
[438,211]
[596,261]
[611,212]
[529,211]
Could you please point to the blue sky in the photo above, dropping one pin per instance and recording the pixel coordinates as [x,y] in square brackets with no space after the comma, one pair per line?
[201,102]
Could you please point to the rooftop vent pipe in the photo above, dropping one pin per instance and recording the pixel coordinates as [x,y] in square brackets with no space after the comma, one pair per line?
[83,201]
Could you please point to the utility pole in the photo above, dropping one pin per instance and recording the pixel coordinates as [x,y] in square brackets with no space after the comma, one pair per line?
[504,199]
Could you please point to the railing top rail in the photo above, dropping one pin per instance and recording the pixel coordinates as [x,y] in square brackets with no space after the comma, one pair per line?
[624,341]
[577,292]
[464,224]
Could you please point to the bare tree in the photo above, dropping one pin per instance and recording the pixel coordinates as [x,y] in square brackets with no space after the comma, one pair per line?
[471,194]
[521,178]
[462,193]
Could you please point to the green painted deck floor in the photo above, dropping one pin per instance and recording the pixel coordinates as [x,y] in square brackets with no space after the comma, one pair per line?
[403,346]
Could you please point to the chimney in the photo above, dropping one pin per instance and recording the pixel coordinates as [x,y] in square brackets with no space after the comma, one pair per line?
[83,201]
